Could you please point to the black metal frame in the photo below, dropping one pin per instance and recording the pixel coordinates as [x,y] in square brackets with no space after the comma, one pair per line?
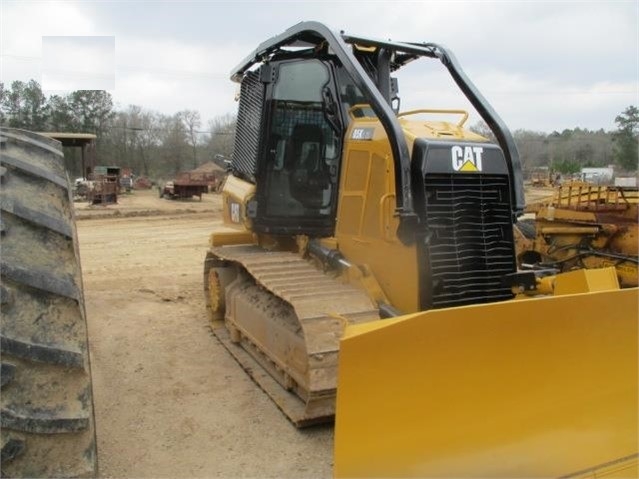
[315,34]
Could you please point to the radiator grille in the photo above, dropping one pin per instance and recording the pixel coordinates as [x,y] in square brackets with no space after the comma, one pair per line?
[467,240]
[249,118]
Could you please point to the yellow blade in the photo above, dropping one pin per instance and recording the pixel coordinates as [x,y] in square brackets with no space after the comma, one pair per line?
[534,388]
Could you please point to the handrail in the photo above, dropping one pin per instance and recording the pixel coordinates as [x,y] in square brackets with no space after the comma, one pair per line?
[461,122]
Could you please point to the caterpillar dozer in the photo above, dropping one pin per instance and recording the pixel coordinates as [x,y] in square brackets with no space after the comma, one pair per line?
[366,272]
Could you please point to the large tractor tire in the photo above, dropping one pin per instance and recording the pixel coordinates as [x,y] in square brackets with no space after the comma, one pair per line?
[47,403]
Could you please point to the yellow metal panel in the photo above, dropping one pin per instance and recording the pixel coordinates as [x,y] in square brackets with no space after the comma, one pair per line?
[356,171]
[582,280]
[235,196]
[569,230]
[366,224]
[377,187]
[233,237]
[415,128]
[538,388]
[348,222]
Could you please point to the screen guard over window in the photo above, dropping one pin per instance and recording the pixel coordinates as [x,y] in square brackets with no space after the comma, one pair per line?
[303,143]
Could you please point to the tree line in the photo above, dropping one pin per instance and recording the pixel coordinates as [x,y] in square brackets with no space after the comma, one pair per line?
[159,145]
[570,150]
[152,144]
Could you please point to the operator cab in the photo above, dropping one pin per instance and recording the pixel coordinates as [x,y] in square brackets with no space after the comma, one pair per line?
[302,138]
[305,115]
[303,121]
[297,89]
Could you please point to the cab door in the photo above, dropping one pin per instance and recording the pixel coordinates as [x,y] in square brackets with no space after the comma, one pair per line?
[302,138]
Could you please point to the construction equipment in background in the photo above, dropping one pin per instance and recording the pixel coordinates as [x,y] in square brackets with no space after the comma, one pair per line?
[103,185]
[142,183]
[126,180]
[340,212]
[185,186]
[583,226]
[207,178]
[544,177]
[213,173]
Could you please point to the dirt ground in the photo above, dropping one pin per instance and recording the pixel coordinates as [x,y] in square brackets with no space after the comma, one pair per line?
[169,400]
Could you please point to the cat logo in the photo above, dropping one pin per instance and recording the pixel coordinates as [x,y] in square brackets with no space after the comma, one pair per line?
[466,158]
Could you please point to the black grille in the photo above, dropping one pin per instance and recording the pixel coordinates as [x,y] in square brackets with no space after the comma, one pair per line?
[466,240]
[249,118]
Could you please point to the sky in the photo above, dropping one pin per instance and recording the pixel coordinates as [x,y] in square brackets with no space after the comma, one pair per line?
[61,70]
[543,65]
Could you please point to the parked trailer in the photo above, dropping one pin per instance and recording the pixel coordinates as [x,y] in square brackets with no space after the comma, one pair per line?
[183,190]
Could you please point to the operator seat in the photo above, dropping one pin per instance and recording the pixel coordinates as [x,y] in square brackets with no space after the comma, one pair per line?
[309,172]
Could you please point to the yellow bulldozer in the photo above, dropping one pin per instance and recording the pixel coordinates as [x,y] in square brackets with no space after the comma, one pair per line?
[366,273]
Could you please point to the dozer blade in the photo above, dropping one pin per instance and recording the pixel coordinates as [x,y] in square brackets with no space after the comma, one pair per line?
[533,388]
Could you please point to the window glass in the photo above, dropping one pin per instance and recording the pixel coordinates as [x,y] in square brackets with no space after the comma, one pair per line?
[301,81]
[303,148]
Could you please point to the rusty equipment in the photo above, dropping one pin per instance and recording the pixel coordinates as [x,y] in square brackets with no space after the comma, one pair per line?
[103,186]
[185,186]
[142,183]
[583,226]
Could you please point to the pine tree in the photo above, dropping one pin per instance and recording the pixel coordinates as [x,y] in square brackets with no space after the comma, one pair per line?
[626,139]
